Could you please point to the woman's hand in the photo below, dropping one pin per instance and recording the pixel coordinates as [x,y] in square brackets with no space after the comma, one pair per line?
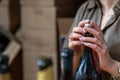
[97,43]
[74,38]
[75,44]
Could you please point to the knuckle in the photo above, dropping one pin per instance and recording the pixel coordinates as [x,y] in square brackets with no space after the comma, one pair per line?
[95,47]
[99,42]
[105,47]
[98,33]
[103,52]
[95,40]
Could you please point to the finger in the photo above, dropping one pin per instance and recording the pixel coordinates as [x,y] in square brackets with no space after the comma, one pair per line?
[77,30]
[95,26]
[95,33]
[74,43]
[93,46]
[81,24]
[74,36]
[91,40]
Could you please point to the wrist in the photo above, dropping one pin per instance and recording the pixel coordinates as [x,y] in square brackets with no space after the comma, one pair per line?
[117,77]
[115,68]
[115,71]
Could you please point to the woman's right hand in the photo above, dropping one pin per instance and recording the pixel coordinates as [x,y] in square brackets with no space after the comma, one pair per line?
[74,38]
[75,44]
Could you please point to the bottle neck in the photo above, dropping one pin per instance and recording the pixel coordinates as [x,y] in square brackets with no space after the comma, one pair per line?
[88,56]
[3,71]
[87,51]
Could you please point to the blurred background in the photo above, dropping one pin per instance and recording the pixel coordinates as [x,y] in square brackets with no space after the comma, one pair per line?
[32,28]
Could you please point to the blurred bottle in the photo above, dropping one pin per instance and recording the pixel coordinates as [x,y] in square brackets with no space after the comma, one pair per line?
[4,41]
[4,69]
[66,64]
[45,68]
[88,69]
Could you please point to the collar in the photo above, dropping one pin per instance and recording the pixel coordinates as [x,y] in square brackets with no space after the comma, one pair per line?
[93,3]
[118,4]
[117,8]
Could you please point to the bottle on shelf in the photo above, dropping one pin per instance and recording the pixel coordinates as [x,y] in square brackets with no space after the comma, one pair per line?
[45,68]
[88,68]
[66,64]
[4,68]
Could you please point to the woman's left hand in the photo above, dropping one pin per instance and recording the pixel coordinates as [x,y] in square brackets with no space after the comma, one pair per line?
[97,43]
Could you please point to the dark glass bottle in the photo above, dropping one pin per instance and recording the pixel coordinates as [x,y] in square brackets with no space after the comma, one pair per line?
[88,69]
[66,64]
[4,69]
[45,68]
[3,41]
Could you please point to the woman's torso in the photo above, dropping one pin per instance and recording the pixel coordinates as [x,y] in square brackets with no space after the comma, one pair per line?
[92,10]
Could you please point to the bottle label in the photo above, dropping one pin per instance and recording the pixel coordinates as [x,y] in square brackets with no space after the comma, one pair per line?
[5,76]
[46,74]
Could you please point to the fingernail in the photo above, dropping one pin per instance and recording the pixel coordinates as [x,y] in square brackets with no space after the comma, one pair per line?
[85,43]
[84,30]
[82,38]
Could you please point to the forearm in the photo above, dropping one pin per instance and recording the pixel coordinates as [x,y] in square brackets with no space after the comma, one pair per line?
[76,60]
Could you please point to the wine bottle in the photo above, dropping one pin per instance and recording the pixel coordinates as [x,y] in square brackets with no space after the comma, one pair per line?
[45,68]
[4,41]
[88,68]
[66,64]
[4,69]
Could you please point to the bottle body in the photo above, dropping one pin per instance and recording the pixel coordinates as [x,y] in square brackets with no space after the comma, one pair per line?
[45,69]
[88,68]
[66,64]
